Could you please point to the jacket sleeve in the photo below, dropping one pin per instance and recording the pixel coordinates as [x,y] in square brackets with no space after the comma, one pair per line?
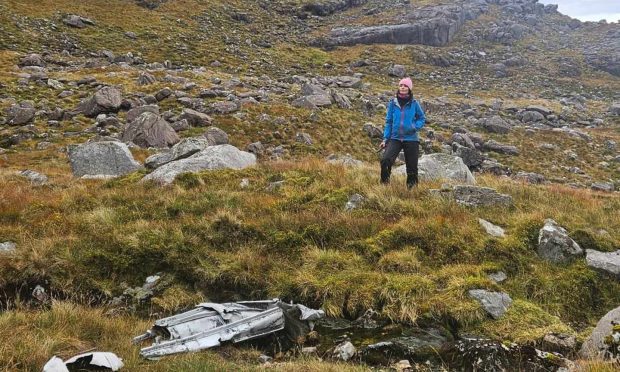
[420,117]
[387,129]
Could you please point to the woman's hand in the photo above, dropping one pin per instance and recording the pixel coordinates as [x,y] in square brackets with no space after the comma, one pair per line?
[382,145]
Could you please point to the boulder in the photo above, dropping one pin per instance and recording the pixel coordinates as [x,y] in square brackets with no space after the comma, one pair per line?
[344,351]
[216,136]
[345,160]
[494,303]
[473,196]
[533,178]
[150,130]
[500,148]
[195,118]
[106,158]
[442,166]
[137,111]
[495,124]
[491,229]
[35,178]
[105,100]
[354,202]
[555,245]
[397,71]
[607,262]
[184,149]
[146,79]
[532,116]
[224,107]
[213,157]
[594,347]
[471,157]
[77,21]
[614,109]
[20,114]
[32,59]
[372,131]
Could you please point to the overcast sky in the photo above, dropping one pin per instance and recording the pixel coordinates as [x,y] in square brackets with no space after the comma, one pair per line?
[588,10]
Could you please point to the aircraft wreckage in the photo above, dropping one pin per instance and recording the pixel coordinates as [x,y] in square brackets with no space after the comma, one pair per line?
[211,324]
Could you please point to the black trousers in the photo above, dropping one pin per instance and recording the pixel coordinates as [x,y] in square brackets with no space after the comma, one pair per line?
[392,149]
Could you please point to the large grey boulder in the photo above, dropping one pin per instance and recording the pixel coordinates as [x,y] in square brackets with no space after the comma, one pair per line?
[441,166]
[473,196]
[495,124]
[344,351]
[494,303]
[137,111]
[20,114]
[213,157]
[195,118]
[607,262]
[105,100]
[216,136]
[184,149]
[594,347]
[150,130]
[555,245]
[106,158]
[32,59]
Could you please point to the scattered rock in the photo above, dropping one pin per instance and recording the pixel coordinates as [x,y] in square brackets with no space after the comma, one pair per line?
[501,148]
[345,351]
[491,229]
[372,130]
[355,201]
[559,343]
[150,130]
[498,277]
[533,178]
[146,79]
[195,118]
[105,100]
[102,158]
[555,245]
[137,111]
[603,186]
[303,138]
[473,196]
[32,60]
[36,179]
[7,247]
[77,21]
[345,160]
[216,136]
[607,262]
[20,114]
[494,303]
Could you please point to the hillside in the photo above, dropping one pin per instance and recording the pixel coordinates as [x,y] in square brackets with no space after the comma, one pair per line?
[524,97]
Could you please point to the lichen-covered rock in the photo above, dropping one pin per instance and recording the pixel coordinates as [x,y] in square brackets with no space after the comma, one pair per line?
[107,158]
[555,245]
[473,196]
[213,157]
[442,166]
[20,114]
[150,130]
[595,347]
[494,303]
[607,262]
[105,100]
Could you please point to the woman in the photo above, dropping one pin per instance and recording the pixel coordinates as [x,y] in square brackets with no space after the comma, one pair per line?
[403,121]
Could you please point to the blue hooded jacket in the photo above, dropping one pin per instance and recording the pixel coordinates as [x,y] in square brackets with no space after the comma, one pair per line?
[403,123]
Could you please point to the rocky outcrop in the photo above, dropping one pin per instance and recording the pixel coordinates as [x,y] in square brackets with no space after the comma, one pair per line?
[435,25]
[213,157]
[106,158]
[324,8]
[20,114]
